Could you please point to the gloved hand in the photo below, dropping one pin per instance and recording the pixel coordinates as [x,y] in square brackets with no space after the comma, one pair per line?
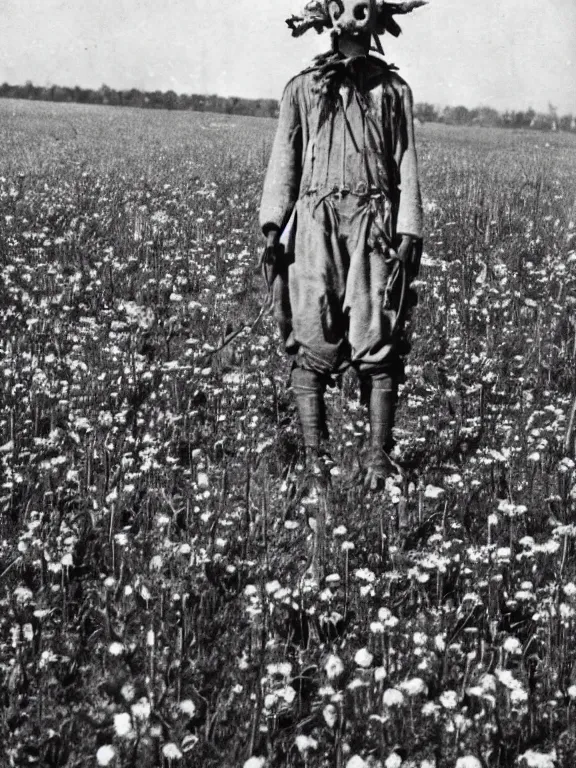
[270,255]
[271,249]
[409,253]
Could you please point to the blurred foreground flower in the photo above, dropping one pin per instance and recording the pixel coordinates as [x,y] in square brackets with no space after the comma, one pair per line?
[468,762]
[304,743]
[255,762]
[363,658]
[414,687]
[393,697]
[531,759]
[356,762]
[188,707]
[105,755]
[171,751]
[123,724]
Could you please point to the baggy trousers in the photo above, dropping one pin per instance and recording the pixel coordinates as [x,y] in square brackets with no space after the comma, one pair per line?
[343,300]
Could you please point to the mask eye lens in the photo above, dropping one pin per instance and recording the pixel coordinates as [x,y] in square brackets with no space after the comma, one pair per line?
[361,12]
[335,10]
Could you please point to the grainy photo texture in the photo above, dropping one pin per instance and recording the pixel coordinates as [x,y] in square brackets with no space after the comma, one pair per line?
[287,384]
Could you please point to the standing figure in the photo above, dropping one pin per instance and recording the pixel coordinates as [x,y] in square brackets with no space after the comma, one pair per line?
[342,214]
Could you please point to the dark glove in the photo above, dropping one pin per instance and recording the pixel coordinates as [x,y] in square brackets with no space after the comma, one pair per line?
[410,253]
[270,257]
[271,248]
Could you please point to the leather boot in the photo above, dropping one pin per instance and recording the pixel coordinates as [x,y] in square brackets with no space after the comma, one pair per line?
[382,410]
[308,388]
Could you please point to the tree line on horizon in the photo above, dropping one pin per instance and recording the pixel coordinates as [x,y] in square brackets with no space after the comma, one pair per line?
[233,105]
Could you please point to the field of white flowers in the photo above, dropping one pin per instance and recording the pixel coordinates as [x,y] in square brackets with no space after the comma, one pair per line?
[155,607]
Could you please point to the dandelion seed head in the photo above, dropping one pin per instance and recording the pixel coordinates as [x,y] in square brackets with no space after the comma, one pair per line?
[255,762]
[393,698]
[364,658]
[270,701]
[272,587]
[414,687]
[330,715]
[333,667]
[128,692]
[304,743]
[122,724]
[115,649]
[105,755]
[518,696]
[356,762]
[288,693]
[469,761]
[23,595]
[533,759]
[507,679]
[512,645]
[433,492]
[449,699]
[141,709]
[393,761]
[171,751]
[380,674]
[341,530]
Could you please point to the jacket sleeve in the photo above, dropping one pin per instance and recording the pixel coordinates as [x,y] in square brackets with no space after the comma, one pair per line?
[410,218]
[282,182]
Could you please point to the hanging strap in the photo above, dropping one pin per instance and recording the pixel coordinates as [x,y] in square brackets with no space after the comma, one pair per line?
[269,275]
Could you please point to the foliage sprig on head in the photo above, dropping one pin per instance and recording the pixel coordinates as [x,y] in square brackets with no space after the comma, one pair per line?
[316,16]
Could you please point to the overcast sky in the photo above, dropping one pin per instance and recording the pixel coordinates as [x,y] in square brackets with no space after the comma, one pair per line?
[500,53]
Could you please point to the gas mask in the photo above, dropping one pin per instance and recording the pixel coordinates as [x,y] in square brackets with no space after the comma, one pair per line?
[353,17]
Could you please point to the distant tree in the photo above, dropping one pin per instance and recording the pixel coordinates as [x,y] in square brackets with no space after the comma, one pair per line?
[80,95]
[456,115]
[488,117]
[213,103]
[57,93]
[28,91]
[184,101]
[542,122]
[133,98]
[272,107]
[231,107]
[425,112]
[108,96]
[235,105]
[170,100]
[94,97]
[197,102]
[518,119]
